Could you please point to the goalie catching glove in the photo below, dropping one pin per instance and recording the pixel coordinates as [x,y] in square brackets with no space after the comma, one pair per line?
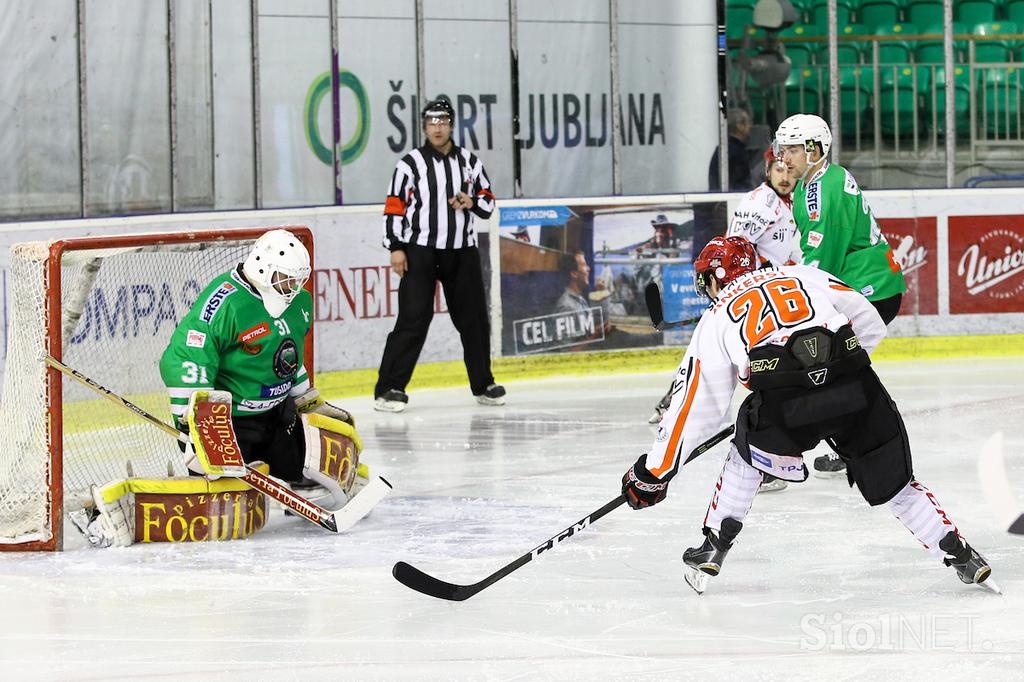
[641,487]
[310,401]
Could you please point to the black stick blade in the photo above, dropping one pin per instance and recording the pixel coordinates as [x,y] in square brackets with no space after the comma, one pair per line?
[652,295]
[1017,527]
[415,579]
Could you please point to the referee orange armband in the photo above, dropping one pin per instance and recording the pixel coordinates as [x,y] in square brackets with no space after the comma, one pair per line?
[394,206]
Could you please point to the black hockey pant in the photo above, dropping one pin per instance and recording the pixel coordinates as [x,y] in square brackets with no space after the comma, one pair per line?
[460,275]
[855,415]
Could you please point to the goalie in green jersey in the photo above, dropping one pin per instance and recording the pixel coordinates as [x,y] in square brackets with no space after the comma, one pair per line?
[245,334]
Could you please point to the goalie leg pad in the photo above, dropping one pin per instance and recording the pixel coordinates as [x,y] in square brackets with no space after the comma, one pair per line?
[332,457]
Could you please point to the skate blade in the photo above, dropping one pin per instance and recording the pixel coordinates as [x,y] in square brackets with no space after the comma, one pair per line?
[696,579]
[772,487]
[987,582]
[830,474]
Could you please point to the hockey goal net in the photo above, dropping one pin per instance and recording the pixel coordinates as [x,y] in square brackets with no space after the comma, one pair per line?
[105,306]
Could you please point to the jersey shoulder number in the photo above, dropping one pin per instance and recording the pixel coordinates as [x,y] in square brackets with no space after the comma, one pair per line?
[763,309]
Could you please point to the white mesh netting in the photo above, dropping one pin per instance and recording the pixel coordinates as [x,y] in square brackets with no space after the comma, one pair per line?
[118,310]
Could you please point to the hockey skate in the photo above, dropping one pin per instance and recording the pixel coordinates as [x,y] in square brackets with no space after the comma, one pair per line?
[771,484]
[829,465]
[393,400]
[970,566]
[706,561]
[492,395]
[660,408]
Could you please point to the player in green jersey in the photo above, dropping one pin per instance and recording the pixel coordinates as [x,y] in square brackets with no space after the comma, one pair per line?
[838,233]
[245,334]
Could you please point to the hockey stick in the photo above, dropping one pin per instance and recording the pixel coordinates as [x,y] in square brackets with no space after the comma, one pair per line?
[652,295]
[335,522]
[415,579]
[996,486]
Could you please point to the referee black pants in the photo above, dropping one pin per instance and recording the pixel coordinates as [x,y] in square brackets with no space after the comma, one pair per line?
[461,278]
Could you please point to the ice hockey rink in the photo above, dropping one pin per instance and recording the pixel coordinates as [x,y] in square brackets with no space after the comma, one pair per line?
[819,585]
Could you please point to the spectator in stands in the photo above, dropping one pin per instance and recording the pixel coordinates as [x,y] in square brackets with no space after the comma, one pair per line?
[710,219]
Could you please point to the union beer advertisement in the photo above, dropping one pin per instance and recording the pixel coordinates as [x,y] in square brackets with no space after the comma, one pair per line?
[986,264]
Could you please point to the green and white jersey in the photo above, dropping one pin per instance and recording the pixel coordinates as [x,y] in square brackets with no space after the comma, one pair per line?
[228,341]
[839,235]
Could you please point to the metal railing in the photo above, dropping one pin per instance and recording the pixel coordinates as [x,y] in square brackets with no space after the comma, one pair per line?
[993,97]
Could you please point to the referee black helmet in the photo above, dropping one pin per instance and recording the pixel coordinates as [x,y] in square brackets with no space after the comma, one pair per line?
[438,108]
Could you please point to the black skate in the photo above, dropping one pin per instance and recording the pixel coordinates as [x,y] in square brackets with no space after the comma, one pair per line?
[706,561]
[970,566]
[771,484]
[661,407]
[829,465]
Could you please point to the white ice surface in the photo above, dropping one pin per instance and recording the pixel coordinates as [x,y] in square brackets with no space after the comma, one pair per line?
[819,585]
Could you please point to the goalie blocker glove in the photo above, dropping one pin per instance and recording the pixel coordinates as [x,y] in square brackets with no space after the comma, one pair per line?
[310,401]
[641,488]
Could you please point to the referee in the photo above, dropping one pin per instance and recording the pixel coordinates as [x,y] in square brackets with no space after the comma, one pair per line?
[428,227]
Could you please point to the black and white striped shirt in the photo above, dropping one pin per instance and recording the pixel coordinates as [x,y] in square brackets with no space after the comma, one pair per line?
[416,210]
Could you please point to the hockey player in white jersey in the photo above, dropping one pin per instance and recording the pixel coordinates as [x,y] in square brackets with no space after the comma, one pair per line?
[765,217]
[799,339]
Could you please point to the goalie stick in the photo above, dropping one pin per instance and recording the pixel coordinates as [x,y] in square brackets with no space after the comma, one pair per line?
[336,522]
[652,295]
[415,579]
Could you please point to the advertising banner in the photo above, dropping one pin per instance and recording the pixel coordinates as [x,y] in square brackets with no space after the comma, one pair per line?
[914,243]
[573,277]
[986,264]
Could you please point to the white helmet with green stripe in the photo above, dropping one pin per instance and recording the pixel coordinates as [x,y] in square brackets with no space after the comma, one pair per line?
[805,129]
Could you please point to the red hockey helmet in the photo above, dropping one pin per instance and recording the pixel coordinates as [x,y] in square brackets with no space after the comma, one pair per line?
[725,259]
[772,156]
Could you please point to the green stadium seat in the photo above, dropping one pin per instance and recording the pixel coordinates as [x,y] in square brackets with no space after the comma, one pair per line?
[877,13]
[800,52]
[803,89]
[931,50]
[893,51]
[924,12]
[994,50]
[848,52]
[844,13]
[961,102]
[897,98]
[740,3]
[856,86]
[805,8]
[974,11]
[736,21]
[1015,11]
[1001,107]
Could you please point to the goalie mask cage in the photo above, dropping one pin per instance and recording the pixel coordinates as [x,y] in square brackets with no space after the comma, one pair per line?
[105,306]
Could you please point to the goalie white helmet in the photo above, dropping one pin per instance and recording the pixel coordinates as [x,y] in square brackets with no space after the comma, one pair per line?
[278,266]
[805,129]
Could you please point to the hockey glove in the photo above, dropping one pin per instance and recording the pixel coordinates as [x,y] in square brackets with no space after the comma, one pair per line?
[310,401]
[641,488]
